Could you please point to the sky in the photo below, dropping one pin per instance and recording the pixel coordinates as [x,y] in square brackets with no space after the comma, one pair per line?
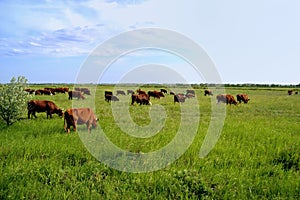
[50,41]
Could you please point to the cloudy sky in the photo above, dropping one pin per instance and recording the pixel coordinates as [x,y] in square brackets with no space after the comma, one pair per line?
[49,41]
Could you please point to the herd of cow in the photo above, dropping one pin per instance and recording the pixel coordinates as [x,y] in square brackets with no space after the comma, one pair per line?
[76,116]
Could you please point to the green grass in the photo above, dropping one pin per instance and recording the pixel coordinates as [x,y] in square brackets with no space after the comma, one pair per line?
[256,157]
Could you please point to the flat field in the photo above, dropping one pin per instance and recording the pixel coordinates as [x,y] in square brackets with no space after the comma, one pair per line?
[256,157]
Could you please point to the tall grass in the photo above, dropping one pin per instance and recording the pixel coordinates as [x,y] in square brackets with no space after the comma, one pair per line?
[256,157]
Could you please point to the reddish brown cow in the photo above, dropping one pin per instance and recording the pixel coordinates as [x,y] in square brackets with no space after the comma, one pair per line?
[78,116]
[77,94]
[226,98]
[290,92]
[242,98]
[180,98]
[155,94]
[49,107]
[142,99]
[139,91]
[208,92]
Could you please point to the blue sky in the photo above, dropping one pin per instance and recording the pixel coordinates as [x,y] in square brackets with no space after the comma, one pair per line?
[48,41]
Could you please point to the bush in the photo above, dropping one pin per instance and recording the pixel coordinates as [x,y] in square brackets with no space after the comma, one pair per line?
[13,99]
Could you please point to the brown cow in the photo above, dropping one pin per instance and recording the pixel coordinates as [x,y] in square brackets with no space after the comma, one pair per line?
[164,91]
[77,94]
[109,97]
[121,92]
[208,92]
[242,98]
[142,99]
[130,92]
[78,116]
[290,92]
[180,98]
[155,94]
[190,91]
[226,98]
[49,107]
[139,91]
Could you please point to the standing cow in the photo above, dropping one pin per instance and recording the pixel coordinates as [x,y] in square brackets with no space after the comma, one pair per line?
[226,98]
[242,98]
[208,92]
[142,99]
[180,98]
[77,94]
[78,116]
[49,107]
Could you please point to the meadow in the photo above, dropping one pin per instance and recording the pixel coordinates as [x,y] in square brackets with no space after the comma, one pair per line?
[256,157]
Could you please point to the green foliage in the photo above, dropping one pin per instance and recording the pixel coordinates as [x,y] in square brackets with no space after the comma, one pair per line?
[13,99]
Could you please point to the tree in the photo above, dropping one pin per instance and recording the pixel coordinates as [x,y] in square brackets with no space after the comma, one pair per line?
[13,99]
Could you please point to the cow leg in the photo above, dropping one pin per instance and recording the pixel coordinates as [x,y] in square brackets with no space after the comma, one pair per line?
[33,113]
[29,112]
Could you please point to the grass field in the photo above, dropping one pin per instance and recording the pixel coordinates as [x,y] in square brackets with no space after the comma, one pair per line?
[256,157]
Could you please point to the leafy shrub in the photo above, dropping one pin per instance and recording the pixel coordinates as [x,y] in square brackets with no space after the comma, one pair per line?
[13,99]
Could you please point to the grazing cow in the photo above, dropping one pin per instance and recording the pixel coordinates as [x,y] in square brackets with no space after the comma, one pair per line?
[30,91]
[190,91]
[226,98]
[208,92]
[155,94]
[107,95]
[49,107]
[109,98]
[290,92]
[172,93]
[190,95]
[242,98]
[59,90]
[130,92]
[180,98]
[121,92]
[48,92]
[164,91]
[78,116]
[139,91]
[85,91]
[142,99]
[39,92]
[77,94]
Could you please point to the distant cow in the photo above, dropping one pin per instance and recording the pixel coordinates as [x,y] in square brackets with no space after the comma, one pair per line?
[290,92]
[226,98]
[155,94]
[180,98]
[107,95]
[139,91]
[242,98]
[49,107]
[109,98]
[130,92]
[75,94]
[190,91]
[208,92]
[121,92]
[85,91]
[30,91]
[164,91]
[142,99]
[189,95]
[78,116]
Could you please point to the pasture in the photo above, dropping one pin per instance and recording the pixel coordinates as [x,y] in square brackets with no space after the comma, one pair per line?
[256,157]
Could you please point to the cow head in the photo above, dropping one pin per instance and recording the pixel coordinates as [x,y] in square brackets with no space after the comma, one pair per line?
[60,112]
